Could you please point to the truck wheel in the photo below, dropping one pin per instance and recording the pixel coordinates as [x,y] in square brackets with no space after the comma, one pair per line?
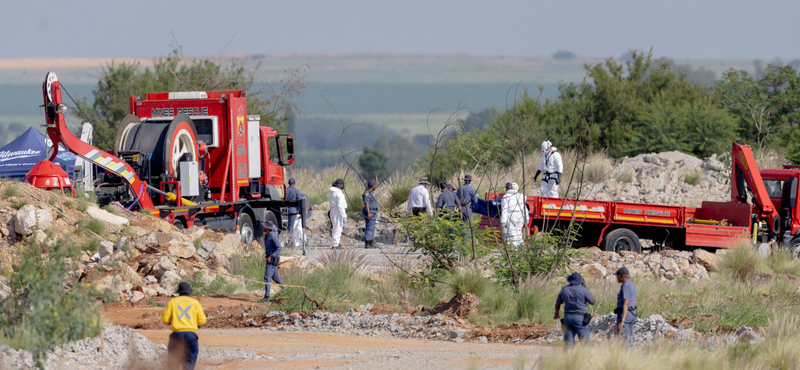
[794,248]
[246,228]
[179,224]
[622,240]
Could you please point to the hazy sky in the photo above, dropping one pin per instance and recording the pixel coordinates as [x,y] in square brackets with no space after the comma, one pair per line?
[675,28]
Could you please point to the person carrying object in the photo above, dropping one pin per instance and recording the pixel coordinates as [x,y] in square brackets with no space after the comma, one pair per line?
[272,251]
[419,200]
[552,167]
[513,214]
[626,305]
[370,213]
[576,319]
[338,212]
[292,195]
[467,197]
[185,315]
[299,231]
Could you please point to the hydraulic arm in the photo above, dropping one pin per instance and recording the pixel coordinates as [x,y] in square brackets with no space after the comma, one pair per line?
[745,171]
[59,133]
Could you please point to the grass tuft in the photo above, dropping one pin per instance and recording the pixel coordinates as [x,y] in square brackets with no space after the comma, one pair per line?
[743,262]
[692,178]
[11,191]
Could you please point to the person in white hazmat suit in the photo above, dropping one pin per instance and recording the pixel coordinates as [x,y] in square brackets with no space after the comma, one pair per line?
[552,167]
[337,213]
[513,214]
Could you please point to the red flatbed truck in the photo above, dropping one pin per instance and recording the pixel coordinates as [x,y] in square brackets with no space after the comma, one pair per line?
[771,217]
[190,158]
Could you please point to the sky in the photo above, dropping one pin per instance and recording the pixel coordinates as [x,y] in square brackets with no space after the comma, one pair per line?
[713,29]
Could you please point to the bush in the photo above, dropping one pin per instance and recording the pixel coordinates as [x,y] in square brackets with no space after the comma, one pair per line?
[534,258]
[468,279]
[535,300]
[625,177]
[96,226]
[441,240]
[17,204]
[742,262]
[781,262]
[692,178]
[399,187]
[219,285]
[46,308]
[11,191]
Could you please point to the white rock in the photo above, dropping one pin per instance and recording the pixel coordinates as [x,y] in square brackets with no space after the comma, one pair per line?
[107,217]
[149,291]
[163,265]
[106,248]
[181,249]
[136,296]
[30,218]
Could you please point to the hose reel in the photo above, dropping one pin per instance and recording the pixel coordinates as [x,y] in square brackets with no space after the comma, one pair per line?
[167,143]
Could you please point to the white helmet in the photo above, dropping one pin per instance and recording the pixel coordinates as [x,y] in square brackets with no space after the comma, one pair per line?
[546,144]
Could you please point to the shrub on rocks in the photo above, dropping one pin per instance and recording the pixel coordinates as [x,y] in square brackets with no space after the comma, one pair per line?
[40,312]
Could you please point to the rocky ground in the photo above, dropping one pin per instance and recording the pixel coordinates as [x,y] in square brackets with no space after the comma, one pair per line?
[140,259]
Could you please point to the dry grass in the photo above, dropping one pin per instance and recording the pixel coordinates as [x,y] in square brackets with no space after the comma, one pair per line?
[777,351]
[769,157]
[315,184]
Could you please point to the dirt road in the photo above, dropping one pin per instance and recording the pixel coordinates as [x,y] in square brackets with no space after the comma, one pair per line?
[325,351]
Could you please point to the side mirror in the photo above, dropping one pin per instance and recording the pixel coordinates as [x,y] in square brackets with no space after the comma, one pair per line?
[290,148]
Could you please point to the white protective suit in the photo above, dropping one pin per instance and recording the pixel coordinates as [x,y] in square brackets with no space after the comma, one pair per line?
[513,215]
[550,166]
[338,215]
[299,232]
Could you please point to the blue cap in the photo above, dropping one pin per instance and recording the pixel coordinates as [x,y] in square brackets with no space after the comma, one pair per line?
[468,178]
[291,181]
[622,271]
[371,183]
[338,181]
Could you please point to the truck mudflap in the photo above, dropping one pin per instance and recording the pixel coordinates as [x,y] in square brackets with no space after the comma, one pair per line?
[715,236]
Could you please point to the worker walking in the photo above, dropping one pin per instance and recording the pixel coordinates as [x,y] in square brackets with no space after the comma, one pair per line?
[272,253]
[292,195]
[552,167]
[419,200]
[184,314]
[467,197]
[447,198]
[513,214]
[626,305]
[574,297]
[370,213]
[338,212]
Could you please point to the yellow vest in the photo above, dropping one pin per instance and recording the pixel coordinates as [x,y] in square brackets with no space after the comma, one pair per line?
[185,314]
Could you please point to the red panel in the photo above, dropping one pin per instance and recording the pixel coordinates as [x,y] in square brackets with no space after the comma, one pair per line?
[649,214]
[584,210]
[737,213]
[715,236]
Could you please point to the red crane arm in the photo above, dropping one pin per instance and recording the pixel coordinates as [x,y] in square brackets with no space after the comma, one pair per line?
[59,133]
[745,170]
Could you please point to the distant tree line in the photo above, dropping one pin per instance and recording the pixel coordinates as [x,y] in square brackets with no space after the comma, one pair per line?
[636,106]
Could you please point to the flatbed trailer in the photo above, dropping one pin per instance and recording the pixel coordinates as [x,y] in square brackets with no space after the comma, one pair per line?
[616,226]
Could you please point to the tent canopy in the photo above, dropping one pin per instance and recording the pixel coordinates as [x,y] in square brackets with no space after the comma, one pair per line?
[18,156]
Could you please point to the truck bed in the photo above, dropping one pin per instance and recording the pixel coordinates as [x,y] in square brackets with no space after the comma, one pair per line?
[642,218]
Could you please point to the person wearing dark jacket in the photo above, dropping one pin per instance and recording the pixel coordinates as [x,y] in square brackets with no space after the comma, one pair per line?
[272,251]
[292,194]
[370,213]
[467,197]
[574,297]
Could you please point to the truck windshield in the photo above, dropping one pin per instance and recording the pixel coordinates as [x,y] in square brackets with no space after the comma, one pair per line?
[774,188]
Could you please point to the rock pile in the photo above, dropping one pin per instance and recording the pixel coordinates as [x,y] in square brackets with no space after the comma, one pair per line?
[665,265]
[116,348]
[665,178]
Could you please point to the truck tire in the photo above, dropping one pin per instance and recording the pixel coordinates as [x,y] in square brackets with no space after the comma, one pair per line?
[794,247]
[179,224]
[622,240]
[246,228]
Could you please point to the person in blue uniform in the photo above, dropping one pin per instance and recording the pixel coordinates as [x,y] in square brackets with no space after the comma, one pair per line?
[272,251]
[370,213]
[467,197]
[574,297]
[626,305]
[292,194]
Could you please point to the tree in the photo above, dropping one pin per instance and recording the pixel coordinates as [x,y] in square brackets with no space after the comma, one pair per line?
[174,72]
[766,108]
[373,164]
[564,55]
